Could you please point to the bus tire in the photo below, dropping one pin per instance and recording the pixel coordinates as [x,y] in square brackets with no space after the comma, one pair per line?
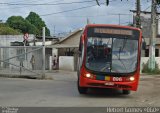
[126,92]
[82,90]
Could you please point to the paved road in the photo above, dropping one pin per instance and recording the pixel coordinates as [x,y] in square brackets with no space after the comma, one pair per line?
[62,92]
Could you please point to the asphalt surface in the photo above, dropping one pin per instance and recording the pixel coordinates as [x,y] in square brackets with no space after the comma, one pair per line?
[61,91]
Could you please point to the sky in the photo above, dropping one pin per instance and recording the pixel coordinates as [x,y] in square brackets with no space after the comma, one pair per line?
[63,16]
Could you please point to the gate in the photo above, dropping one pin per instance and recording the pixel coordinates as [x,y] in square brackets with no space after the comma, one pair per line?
[22,61]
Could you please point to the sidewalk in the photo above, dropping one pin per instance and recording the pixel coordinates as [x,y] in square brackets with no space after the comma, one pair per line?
[23,74]
[49,74]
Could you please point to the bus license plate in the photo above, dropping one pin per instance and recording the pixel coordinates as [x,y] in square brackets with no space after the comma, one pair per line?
[117,79]
[109,84]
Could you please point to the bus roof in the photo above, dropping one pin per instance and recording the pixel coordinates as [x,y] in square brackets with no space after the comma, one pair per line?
[111,25]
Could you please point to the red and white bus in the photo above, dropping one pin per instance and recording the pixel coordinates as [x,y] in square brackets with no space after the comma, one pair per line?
[109,57]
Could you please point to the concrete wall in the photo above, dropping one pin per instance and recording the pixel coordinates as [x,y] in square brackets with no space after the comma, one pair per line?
[66,63]
[11,54]
[7,39]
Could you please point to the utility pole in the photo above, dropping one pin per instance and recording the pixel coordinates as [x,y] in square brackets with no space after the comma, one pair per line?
[138,20]
[88,22]
[153,36]
[54,30]
[138,12]
[43,53]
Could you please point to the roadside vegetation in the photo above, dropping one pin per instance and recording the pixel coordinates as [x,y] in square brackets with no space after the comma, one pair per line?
[150,71]
[6,30]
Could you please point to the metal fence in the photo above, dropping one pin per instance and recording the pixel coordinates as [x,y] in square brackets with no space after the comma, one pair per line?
[21,60]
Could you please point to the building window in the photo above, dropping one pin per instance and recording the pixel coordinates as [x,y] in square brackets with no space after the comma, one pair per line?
[156,53]
[147,53]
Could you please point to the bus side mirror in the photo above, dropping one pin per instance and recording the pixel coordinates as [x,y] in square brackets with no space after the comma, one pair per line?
[79,53]
[81,43]
[144,45]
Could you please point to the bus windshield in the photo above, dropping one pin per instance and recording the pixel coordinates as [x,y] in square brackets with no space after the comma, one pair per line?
[112,54]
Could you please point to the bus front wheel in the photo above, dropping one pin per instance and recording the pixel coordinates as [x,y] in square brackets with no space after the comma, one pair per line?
[82,90]
[126,92]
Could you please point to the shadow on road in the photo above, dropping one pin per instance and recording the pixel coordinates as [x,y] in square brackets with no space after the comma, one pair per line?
[101,93]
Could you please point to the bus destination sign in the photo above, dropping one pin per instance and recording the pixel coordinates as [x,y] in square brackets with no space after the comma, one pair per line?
[113,31]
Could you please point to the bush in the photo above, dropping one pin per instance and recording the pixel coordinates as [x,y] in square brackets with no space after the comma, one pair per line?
[150,71]
[8,31]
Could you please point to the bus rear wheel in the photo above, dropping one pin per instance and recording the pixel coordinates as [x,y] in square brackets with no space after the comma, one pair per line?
[126,92]
[82,90]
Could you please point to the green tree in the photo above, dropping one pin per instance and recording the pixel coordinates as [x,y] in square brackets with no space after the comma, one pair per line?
[6,30]
[35,19]
[31,29]
[22,25]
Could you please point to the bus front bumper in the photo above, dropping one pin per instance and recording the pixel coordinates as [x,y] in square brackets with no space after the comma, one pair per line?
[86,82]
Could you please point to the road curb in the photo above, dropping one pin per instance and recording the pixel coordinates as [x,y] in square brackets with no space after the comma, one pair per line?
[19,76]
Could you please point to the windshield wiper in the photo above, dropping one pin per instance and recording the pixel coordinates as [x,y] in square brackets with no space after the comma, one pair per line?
[107,67]
[122,63]
[121,48]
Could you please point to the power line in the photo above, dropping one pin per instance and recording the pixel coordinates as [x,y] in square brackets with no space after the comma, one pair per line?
[119,14]
[95,16]
[28,6]
[19,7]
[74,10]
[23,1]
[68,10]
[46,3]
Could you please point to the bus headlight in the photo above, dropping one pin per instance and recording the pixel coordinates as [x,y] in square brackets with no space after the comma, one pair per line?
[88,75]
[131,78]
